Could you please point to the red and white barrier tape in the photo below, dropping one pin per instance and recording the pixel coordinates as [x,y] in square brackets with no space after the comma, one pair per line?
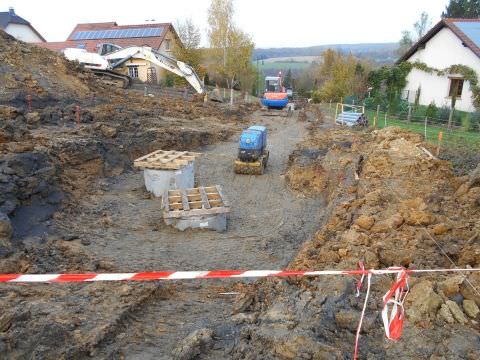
[393,322]
[215,274]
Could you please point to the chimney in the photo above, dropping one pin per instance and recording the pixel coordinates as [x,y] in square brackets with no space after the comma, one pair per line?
[11,11]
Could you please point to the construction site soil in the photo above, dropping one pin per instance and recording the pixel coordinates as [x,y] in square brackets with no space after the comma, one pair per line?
[70,201]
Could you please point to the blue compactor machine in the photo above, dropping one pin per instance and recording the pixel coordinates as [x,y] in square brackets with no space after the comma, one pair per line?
[252,153]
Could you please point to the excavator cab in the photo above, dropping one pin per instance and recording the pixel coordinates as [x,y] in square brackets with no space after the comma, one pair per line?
[272,84]
[107,48]
[275,96]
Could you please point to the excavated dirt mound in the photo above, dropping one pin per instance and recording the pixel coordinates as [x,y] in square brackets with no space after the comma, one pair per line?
[389,205]
[27,69]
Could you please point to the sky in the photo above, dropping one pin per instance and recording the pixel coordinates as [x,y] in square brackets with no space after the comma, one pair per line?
[271,23]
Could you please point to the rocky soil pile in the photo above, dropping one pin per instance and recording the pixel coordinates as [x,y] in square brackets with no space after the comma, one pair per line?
[27,69]
[390,205]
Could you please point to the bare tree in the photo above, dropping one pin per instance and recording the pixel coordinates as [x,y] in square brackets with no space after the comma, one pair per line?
[231,48]
[189,50]
[189,33]
[405,42]
[422,25]
[420,28]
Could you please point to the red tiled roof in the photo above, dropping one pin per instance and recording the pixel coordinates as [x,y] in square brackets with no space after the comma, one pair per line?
[93,26]
[114,26]
[92,45]
[449,23]
[57,46]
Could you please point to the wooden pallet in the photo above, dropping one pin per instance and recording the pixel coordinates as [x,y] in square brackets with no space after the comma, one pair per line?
[201,201]
[165,160]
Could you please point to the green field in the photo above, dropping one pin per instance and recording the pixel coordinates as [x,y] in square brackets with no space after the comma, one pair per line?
[282,65]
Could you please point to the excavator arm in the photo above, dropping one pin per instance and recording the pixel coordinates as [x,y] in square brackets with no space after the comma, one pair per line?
[179,68]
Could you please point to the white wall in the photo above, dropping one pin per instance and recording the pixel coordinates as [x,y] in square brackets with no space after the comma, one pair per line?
[23,32]
[443,50]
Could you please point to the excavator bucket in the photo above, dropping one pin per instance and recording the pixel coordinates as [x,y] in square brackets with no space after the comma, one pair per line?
[248,168]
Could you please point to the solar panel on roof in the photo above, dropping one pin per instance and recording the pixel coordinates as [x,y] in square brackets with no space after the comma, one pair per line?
[77,36]
[116,34]
[471,29]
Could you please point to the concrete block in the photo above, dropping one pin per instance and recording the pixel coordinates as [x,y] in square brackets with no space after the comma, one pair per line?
[159,181]
[216,222]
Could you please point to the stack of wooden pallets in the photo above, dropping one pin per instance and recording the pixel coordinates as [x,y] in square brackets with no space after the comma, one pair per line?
[201,201]
[171,174]
[166,160]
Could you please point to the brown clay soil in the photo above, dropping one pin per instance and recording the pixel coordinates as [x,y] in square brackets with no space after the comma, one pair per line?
[389,204]
[70,201]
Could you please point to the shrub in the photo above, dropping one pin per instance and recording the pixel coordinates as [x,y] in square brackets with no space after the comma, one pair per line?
[465,119]
[372,102]
[169,80]
[402,107]
[432,110]
[443,113]
[316,96]
[474,121]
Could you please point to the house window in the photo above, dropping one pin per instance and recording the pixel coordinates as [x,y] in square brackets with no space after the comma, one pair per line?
[167,44]
[133,71]
[456,88]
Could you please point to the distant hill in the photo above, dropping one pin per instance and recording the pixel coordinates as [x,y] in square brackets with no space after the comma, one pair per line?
[382,53]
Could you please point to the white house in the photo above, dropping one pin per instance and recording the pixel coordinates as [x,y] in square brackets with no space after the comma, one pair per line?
[450,42]
[19,28]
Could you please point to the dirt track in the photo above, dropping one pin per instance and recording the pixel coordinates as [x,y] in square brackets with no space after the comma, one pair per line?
[266,227]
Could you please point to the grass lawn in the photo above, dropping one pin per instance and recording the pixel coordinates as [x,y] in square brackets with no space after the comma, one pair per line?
[455,138]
